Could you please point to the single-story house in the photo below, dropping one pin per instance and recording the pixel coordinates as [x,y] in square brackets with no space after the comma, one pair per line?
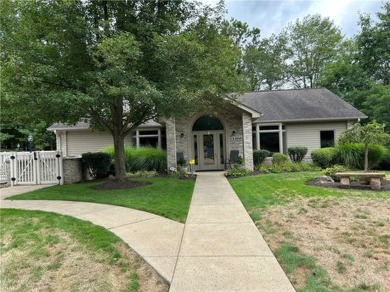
[271,120]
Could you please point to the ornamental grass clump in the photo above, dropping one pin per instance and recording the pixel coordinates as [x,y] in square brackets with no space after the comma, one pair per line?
[144,158]
[352,155]
[368,135]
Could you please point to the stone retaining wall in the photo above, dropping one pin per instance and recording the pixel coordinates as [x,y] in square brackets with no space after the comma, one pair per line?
[73,171]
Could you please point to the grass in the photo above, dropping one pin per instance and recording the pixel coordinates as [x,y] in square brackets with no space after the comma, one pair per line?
[44,251]
[262,191]
[292,259]
[167,197]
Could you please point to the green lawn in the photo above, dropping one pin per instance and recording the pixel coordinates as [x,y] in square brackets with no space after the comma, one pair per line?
[42,251]
[262,191]
[168,197]
[259,193]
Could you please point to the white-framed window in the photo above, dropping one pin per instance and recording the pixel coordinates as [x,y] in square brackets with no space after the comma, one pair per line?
[154,137]
[271,137]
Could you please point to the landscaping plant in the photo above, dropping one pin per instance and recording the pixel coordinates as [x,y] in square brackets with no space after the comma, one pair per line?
[370,134]
[259,156]
[353,155]
[98,164]
[297,153]
[143,158]
[324,157]
[279,158]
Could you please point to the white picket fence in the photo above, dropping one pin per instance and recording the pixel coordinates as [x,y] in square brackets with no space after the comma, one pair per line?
[28,168]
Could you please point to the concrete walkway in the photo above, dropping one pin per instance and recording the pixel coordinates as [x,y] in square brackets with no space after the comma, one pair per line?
[222,250]
[156,239]
[218,249]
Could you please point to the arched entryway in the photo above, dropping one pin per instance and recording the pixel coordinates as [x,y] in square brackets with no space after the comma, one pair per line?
[208,143]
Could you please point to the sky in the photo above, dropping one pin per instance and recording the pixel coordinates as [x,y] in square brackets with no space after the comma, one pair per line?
[273,15]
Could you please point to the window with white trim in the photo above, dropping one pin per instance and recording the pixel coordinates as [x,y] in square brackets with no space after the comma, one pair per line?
[149,137]
[269,137]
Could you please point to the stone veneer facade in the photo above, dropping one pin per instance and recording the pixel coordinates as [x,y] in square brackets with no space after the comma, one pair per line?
[73,171]
[179,135]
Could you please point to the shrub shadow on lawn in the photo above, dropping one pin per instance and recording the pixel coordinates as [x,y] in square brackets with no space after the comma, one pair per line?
[119,185]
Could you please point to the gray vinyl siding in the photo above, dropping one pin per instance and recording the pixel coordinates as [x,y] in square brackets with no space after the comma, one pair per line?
[308,135]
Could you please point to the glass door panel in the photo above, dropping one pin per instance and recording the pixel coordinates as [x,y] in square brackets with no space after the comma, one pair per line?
[208,149]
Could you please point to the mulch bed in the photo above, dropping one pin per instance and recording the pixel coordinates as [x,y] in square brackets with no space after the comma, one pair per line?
[119,185]
[385,185]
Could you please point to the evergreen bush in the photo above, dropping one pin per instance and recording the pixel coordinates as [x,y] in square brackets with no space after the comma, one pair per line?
[279,158]
[297,153]
[98,164]
[259,156]
[324,157]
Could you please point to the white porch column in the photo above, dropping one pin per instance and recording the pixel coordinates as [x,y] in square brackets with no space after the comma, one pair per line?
[280,138]
[61,142]
[257,137]
[159,138]
[171,143]
[247,140]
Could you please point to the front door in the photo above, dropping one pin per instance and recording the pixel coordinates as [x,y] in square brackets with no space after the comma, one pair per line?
[211,150]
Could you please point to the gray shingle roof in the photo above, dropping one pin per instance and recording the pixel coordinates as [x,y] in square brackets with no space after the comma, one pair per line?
[300,104]
[84,124]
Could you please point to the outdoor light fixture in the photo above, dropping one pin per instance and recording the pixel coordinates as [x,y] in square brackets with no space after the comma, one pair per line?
[233,132]
[182,135]
[30,140]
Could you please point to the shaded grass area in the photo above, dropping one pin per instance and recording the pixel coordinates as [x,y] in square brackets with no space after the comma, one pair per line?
[167,197]
[42,251]
[262,191]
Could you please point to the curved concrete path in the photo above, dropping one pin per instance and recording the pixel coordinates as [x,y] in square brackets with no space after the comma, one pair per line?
[218,249]
[154,238]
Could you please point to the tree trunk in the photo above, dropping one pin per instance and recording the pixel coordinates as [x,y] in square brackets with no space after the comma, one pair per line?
[366,157]
[120,163]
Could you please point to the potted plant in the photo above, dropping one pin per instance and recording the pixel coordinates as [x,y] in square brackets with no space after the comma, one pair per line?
[182,165]
[239,162]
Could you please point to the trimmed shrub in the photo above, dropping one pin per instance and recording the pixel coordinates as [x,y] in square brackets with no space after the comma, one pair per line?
[352,155]
[142,158]
[259,156]
[98,164]
[297,153]
[324,157]
[279,158]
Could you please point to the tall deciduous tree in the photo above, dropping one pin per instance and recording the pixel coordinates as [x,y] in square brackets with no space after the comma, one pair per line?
[265,63]
[118,63]
[313,42]
[374,42]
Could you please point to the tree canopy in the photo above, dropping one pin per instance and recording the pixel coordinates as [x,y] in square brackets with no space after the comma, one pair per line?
[118,63]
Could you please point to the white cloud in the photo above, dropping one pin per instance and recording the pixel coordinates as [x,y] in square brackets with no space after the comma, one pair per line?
[273,15]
